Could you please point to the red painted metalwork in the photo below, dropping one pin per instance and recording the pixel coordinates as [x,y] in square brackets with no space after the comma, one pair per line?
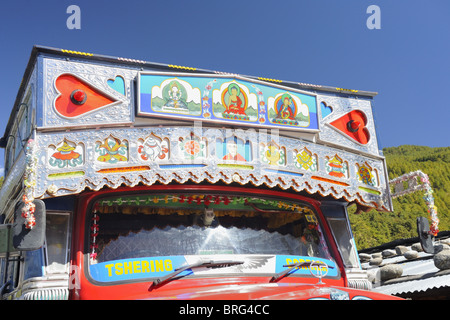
[77,97]
[353,125]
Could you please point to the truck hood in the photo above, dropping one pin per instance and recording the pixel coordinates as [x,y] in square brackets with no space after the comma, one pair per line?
[268,291]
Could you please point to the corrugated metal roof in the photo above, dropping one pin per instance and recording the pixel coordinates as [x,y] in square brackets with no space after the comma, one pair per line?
[414,285]
[419,274]
[417,267]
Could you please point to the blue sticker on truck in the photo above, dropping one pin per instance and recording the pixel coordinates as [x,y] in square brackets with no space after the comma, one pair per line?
[283,260]
[152,267]
[127,269]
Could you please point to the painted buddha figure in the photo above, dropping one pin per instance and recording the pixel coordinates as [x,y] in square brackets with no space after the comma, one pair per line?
[234,103]
[175,97]
[287,109]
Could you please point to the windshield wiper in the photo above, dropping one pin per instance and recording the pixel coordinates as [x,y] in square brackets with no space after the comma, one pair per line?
[158,282]
[293,267]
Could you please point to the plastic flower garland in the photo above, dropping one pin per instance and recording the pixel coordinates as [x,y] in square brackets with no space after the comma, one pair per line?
[29,182]
[413,186]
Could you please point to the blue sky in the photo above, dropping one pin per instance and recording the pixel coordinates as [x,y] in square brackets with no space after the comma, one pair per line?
[323,42]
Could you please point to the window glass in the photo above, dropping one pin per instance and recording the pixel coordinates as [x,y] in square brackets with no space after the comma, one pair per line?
[20,134]
[9,155]
[345,242]
[337,219]
[21,131]
[23,125]
[57,241]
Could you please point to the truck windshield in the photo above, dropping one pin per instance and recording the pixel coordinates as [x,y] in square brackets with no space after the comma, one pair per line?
[144,236]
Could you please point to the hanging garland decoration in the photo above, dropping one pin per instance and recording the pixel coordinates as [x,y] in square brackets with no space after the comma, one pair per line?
[413,186]
[171,204]
[94,233]
[30,183]
[28,213]
[199,200]
[432,209]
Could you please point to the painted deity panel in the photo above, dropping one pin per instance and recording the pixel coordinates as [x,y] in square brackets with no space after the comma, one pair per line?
[233,149]
[234,101]
[288,109]
[222,99]
[176,96]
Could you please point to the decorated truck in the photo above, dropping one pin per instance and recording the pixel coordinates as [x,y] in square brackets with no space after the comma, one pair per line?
[127,179]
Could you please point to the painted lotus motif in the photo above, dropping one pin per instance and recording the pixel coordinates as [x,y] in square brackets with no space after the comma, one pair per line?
[192,147]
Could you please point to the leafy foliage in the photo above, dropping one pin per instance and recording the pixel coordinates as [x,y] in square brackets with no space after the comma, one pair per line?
[375,228]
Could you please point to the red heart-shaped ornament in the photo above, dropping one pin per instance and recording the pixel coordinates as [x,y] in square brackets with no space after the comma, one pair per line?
[78,97]
[353,125]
